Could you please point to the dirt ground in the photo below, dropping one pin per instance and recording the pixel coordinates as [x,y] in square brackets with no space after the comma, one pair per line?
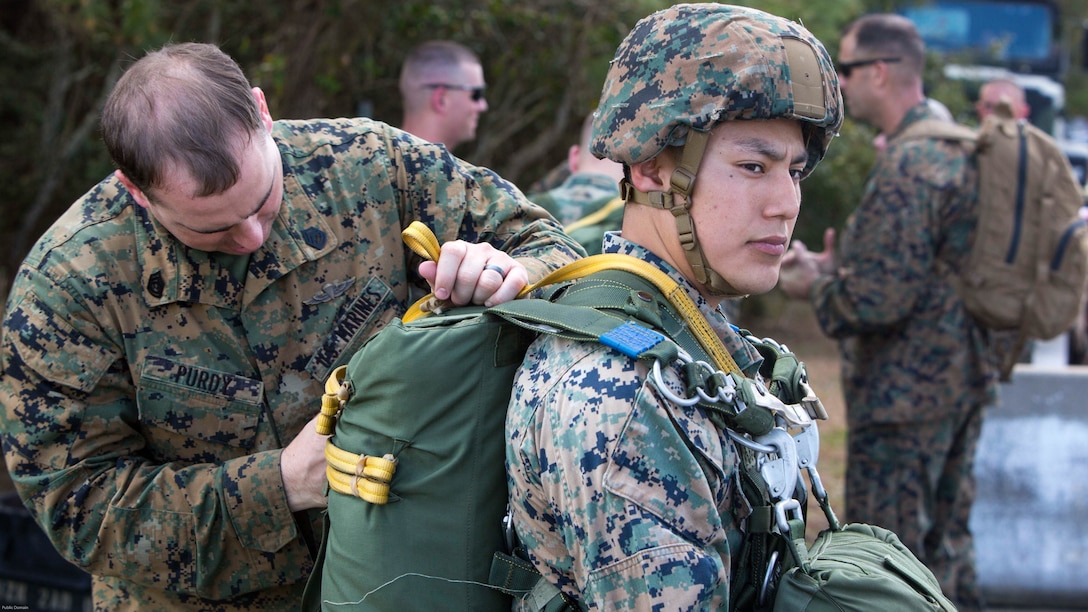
[792,323]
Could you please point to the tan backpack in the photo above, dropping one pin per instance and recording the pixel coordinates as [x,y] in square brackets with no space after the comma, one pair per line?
[1028,266]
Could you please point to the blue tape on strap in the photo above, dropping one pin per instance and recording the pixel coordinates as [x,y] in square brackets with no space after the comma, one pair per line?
[631,339]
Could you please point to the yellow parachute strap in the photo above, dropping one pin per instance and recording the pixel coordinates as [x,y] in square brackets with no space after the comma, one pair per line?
[362,476]
[596,216]
[336,393]
[421,240]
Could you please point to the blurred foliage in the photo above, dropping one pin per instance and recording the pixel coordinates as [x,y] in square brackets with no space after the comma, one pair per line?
[544,60]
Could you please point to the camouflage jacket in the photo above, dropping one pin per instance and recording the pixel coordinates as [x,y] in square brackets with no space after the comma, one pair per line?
[580,194]
[622,499]
[148,388]
[910,351]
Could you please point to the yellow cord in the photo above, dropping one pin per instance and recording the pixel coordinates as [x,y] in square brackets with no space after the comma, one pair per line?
[422,240]
[596,216]
[363,476]
[336,393]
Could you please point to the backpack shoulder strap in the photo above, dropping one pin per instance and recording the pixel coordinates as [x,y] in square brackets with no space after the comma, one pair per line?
[596,216]
[421,240]
[937,129]
[623,310]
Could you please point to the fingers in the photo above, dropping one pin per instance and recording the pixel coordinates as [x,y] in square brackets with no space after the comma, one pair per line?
[827,260]
[829,240]
[496,269]
[515,280]
[475,273]
[790,258]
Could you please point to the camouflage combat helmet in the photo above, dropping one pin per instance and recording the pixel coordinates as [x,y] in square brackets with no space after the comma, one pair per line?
[686,68]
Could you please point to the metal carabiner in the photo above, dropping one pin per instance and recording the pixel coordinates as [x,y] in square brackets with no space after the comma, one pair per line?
[746,442]
[724,394]
[780,510]
[808,446]
[509,536]
[781,473]
[657,380]
[768,577]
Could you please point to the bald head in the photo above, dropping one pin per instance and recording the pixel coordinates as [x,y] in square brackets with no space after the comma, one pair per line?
[993,92]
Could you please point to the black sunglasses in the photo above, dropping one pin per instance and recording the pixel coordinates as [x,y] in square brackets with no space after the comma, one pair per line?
[846,68]
[477,92]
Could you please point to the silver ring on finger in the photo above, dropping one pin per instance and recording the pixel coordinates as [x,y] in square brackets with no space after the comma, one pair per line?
[497,269]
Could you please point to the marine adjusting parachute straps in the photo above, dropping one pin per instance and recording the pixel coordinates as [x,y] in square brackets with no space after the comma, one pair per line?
[806,86]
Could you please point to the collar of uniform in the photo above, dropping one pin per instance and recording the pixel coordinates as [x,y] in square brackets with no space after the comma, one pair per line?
[172,272]
[591,180]
[915,114]
[747,357]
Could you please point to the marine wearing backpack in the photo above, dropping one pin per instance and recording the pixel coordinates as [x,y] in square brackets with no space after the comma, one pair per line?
[1028,267]
[417,487]
[678,74]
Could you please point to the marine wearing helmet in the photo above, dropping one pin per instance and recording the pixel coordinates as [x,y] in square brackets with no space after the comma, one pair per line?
[683,70]
[623,475]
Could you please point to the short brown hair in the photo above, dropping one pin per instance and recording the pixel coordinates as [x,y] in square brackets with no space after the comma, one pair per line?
[185,104]
[889,35]
[431,60]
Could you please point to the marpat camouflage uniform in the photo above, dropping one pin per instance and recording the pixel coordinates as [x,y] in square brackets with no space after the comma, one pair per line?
[580,194]
[148,388]
[620,497]
[614,504]
[916,373]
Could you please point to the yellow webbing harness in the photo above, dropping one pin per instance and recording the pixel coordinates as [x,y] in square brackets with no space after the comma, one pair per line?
[421,240]
[360,476]
[597,216]
[368,477]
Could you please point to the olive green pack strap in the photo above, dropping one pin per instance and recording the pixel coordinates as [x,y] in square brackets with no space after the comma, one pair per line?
[586,324]
[622,310]
[626,294]
[421,240]
[516,576]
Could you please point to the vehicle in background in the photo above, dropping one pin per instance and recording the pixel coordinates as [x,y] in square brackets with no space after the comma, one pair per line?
[1020,40]
[981,40]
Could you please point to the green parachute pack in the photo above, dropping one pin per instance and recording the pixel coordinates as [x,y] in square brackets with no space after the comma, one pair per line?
[417,516]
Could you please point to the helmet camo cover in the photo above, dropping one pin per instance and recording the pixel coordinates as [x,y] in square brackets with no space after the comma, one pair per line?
[693,65]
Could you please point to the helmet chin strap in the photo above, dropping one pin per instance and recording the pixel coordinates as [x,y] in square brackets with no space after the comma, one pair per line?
[678,202]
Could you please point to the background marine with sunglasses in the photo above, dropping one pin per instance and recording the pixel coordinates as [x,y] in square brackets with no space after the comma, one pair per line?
[442,88]
[916,367]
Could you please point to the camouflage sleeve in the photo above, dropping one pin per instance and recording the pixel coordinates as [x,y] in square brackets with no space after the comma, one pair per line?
[608,497]
[461,201]
[71,435]
[887,250]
